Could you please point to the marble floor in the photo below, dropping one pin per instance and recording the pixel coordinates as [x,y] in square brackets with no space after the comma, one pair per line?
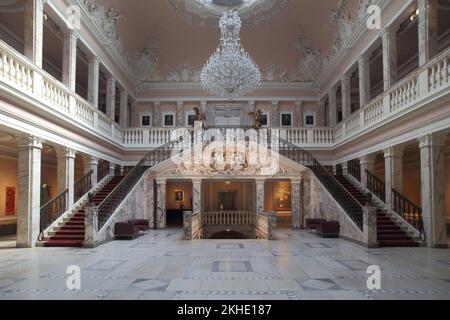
[159,265]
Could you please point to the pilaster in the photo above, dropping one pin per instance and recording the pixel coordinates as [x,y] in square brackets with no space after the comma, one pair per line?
[93,80]
[160,203]
[296,202]
[66,172]
[111,98]
[393,167]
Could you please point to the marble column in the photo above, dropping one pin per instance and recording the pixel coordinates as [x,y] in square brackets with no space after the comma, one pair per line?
[161,203]
[275,115]
[321,114]
[389,43]
[112,169]
[91,163]
[432,168]
[197,196]
[69,65]
[393,168]
[34,30]
[29,192]
[299,113]
[66,172]
[123,117]
[370,226]
[367,162]
[180,114]
[332,108]
[364,79]
[111,98]
[91,227]
[346,96]
[428,30]
[260,195]
[296,202]
[93,80]
[157,121]
[151,200]
[344,166]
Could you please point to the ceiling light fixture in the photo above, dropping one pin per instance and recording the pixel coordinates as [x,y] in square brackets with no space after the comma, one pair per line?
[230,72]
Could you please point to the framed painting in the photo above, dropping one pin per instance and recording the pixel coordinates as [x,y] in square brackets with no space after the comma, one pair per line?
[179,196]
[10,203]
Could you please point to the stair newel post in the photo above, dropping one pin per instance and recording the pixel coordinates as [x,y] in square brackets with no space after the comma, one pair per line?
[91,226]
[370,225]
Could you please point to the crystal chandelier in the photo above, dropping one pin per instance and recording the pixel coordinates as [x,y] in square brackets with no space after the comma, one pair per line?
[230,72]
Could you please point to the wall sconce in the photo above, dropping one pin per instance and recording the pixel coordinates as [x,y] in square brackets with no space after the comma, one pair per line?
[414,15]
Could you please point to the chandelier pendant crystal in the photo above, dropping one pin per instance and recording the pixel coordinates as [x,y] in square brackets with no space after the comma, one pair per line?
[230,72]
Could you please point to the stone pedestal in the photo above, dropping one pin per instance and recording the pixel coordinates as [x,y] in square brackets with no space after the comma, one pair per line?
[428,30]
[432,170]
[123,117]
[66,172]
[160,204]
[370,226]
[272,232]
[91,223]
[93,80]
[393,168]
[69,66]
[296,203]
[29,192]
[187,225]
[34,30]
[111,98]
[332,108]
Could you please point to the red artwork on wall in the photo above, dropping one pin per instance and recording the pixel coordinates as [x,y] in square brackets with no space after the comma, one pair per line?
[10,203]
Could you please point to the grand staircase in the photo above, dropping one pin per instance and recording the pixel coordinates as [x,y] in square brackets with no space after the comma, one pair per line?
[389,233]
[70,233]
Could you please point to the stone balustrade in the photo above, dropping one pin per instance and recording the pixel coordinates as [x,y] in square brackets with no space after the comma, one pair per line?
[228,218]
[19,73]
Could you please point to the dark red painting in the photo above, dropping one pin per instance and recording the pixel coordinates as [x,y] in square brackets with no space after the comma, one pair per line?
[10,204]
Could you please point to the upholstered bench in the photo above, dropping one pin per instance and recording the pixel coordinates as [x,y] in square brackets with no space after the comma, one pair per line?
[142,224]
[314,223]
[329,229]
[125,230]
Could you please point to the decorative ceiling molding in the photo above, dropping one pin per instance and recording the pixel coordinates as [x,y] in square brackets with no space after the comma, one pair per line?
[205,12]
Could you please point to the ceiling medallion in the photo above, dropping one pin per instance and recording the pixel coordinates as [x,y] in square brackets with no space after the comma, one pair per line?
[230,72]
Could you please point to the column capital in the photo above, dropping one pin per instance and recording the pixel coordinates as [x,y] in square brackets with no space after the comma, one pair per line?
[157,103]
[124,93]
[64,152]
[431,139]
[363,58]
[93,58]
[296,180]
[298,103]
[260,181]
[161,181]
[71,33]
[368,158]
[395,151]
[197,180]
[180,104]
[346,77]
[30,142]
[275,103]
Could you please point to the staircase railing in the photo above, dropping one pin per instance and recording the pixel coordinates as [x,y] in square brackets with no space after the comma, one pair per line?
[115,198]
[82,186]
[52,210]
[410,211]
[345,199]
[102,170]
[354,169]
[376,186]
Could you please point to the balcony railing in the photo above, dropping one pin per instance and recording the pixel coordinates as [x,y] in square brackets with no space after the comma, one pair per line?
[21,74]
[228,218]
